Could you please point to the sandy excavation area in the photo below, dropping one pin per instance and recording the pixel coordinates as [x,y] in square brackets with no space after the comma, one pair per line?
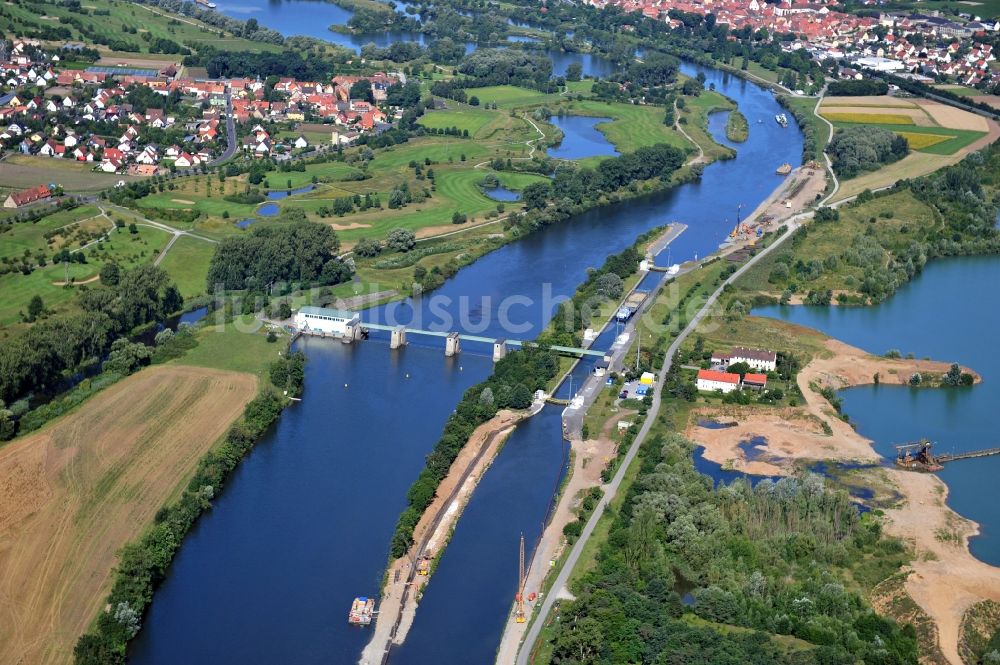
[795,433]
[945,579]
[76,491]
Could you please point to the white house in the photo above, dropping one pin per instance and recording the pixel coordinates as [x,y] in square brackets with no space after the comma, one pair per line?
[301,142]
[712,381]
[322,320]
[758,359]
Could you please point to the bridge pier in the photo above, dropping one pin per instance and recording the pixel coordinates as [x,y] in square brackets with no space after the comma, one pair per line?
[452,345]
[499,349]
[397,338]
[351,332]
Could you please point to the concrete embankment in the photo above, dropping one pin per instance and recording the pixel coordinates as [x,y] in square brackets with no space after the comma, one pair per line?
[404,585]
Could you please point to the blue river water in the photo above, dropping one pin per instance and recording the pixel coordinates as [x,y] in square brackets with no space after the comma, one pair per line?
[304,524]
[927,319]
[581,138]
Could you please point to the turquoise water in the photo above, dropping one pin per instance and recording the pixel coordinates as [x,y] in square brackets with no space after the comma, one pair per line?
[948,314]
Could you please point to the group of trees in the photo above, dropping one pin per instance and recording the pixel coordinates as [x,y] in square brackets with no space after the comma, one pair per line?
[855,88]
[300,252]
[774,557]
[507,67]
[514,380]
[36,358]
[857,149]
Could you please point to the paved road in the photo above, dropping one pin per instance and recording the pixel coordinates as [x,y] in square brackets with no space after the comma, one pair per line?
[612,487]
[231,142]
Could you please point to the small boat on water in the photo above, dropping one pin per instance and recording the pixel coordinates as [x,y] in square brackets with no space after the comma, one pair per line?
[784,169]
[781,119]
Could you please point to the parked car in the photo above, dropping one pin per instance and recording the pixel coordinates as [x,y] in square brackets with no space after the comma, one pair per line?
[623,394]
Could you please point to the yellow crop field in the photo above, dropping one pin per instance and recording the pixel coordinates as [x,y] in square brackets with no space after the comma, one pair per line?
[868,118]
[919,140]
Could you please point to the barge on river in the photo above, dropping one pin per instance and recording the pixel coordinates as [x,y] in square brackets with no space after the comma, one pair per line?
[361,612]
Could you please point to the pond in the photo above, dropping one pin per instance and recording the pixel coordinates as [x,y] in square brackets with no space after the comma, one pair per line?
[501,193]
[269,210]
[285,193]
[581,138]
[245,223]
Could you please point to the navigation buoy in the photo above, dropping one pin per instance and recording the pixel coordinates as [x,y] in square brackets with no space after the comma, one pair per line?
[345,385]
[407,375]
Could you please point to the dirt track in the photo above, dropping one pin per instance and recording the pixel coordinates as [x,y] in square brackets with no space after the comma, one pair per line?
[75,492]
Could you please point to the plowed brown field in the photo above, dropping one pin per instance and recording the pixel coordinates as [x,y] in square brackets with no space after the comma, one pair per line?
[73,493]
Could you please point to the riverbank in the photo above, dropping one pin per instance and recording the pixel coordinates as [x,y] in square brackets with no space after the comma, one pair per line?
[943,579]
[404,586]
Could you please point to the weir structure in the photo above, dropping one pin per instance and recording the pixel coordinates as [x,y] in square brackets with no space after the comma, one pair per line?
[453,341]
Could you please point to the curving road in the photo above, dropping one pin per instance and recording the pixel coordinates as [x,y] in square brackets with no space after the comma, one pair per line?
[231,143]
[611,489]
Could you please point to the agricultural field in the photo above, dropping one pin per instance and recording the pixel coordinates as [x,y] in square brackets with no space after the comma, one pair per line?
[104,19]
[23,171]
[71,501]
[868,118]
[30,242]
[938,135]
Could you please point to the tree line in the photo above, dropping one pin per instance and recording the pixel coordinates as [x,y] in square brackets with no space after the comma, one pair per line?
[514,380]
[39,357]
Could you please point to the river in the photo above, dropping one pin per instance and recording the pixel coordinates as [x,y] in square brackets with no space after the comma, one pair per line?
[304,524]
[927,319]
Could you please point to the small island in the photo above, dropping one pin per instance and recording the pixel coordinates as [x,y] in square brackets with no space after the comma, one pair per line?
[737,127]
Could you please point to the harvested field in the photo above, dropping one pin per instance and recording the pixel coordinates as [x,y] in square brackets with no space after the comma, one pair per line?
[22,171]
[954,118]
[868,116]
[992,100]
[73,493]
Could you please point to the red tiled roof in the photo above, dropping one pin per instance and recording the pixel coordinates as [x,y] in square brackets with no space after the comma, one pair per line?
[723,377]
[755,378]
